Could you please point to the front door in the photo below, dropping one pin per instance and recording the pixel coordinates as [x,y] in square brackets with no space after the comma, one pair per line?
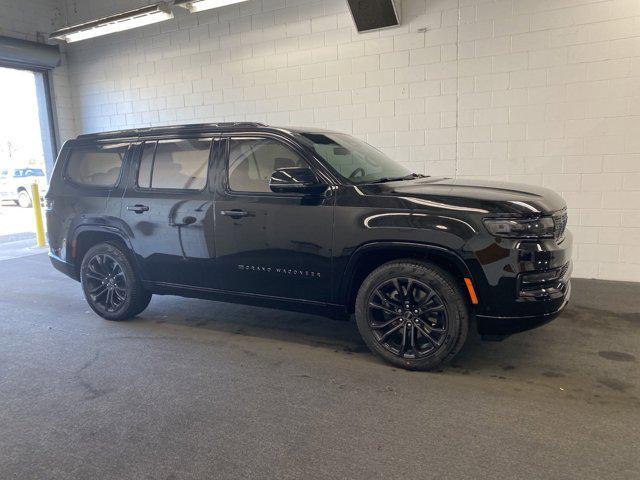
[266,243]
[168,207]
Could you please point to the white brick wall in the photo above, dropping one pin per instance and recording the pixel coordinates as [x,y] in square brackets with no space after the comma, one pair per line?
[562,116]
[63,104]
[543,92]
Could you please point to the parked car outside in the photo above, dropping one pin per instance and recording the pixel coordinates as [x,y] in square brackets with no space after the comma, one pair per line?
[306,220]
[15,184]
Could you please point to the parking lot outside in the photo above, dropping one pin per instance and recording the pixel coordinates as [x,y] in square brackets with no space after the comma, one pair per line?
[15,220]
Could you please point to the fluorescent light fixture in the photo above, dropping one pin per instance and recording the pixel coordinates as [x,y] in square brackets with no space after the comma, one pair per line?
[195,6]
[115,23]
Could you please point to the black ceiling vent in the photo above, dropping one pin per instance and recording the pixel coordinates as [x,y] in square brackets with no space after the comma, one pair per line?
[374,14]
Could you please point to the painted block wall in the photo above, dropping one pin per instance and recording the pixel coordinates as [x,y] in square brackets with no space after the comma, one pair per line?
[535,91]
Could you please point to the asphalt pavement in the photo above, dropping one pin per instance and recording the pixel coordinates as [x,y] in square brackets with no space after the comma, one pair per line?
[194,389]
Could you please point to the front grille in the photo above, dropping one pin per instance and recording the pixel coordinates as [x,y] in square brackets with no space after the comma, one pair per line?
[559,224]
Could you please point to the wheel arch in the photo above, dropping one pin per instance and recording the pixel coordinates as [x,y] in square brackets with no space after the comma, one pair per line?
[86,236]
[370,256]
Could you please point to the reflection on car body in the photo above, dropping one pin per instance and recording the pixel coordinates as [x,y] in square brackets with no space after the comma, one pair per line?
[306,220]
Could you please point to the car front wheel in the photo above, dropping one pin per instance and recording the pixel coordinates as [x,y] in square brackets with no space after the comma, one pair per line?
[24,200]
[110,285]
[412,314]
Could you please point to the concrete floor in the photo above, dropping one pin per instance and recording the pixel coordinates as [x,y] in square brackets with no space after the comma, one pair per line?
[14,219]
[195,389]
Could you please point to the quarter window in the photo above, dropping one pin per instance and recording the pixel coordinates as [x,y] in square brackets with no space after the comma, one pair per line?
[174,164]
[253,160]
[96,165]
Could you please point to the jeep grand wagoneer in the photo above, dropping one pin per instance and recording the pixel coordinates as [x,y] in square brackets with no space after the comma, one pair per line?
[307,220]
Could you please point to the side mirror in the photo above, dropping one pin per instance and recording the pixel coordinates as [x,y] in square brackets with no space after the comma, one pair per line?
[295,180]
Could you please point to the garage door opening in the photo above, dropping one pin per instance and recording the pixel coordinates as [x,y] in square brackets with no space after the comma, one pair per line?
[26,145]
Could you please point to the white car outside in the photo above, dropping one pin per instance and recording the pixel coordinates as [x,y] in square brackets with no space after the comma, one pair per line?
[15,184]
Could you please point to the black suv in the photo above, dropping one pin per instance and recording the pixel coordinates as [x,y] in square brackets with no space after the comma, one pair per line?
[306,220]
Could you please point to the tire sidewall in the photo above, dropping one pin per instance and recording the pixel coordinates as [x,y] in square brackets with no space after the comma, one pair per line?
[455,308]
[130,279]
[24,199]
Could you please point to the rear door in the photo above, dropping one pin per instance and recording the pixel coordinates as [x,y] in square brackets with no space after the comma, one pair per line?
[168,207]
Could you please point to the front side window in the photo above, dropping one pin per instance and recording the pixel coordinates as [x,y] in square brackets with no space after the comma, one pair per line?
[96,165]
[253,160]
[354,159]
[174,164]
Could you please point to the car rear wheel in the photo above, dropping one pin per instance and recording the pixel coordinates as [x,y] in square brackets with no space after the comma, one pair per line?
[24,199]
[412,314]
[110,285]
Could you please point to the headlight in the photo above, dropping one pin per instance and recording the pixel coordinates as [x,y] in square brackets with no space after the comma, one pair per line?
[520,227]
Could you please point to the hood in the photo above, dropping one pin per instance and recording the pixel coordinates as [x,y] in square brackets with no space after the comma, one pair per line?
[473,196]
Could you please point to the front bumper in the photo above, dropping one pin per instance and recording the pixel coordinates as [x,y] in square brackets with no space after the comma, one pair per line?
[522,285]
[503,326]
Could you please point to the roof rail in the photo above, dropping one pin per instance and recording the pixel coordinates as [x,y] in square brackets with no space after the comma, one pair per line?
[240,124]
[137,132]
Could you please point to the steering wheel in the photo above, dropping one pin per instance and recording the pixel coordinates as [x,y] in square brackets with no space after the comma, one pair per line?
[358,172]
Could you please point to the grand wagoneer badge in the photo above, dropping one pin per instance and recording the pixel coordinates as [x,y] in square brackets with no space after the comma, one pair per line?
[292,272]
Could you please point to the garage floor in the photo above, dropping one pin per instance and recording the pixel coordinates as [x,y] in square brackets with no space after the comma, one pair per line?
[194,389]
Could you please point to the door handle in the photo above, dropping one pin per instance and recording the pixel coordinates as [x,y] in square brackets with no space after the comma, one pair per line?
[234,213]
[138,208]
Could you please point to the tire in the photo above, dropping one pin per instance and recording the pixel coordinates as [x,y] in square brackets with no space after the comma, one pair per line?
[24,199]
[111,287]
[423,336]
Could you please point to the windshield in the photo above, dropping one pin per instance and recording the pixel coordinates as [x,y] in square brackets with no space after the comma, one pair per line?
[28,172]
[354,159]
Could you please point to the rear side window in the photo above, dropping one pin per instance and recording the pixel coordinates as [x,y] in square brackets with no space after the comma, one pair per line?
[175,164]
[96,165]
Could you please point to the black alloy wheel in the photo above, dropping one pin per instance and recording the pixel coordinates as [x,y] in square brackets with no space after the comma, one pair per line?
[112,288]
[407,317]
[412,314]
[106,282]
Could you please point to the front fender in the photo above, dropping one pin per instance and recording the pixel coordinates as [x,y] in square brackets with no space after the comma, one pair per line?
[397,249]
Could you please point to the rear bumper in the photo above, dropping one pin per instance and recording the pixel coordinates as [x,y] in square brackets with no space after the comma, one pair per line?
[67,268]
